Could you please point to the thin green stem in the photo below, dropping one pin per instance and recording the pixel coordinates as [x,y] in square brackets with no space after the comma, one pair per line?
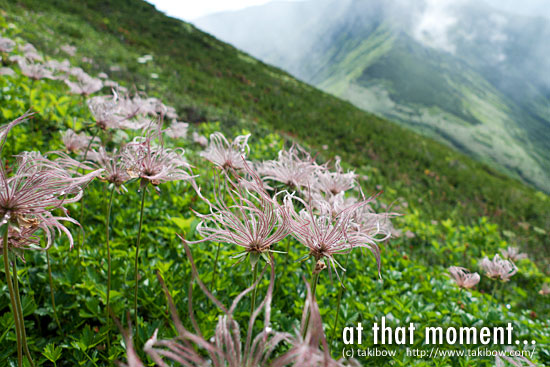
[254,278]
[340,293]
[28,285]
[287,252]
[20,312]
[136,261]
[81,242]
[493,294]
[315,279]
[31,87]
[498,289]
[12,297]
[213,283]
[52,290]
[107,229]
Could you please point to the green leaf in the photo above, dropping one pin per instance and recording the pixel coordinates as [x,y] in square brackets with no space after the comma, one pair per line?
[183,223]
[52,353]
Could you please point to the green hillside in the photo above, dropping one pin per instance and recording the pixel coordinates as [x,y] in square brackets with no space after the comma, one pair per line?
[442,98]
[207,80]
[454,209]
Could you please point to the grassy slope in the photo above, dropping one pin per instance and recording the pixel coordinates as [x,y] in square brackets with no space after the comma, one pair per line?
[206,79]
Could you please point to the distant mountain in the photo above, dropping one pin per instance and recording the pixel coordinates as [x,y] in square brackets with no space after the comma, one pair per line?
[463,72]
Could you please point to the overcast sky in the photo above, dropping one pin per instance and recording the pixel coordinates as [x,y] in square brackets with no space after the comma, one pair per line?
[193,9]
[189,10]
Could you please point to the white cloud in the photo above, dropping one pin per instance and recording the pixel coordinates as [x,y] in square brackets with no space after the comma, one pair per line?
[434,24]
[191,9]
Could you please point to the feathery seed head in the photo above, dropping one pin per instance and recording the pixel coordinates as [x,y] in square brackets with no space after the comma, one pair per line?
[76,143]
[498,268]
[334,182]
[154,163]
[294,167]
[6,44]
[252,220]
[512,253]
[463,277]
[177,130]
[37,187]
[226,155]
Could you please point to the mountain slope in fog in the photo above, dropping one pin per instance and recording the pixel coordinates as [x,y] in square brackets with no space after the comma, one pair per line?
[472,76]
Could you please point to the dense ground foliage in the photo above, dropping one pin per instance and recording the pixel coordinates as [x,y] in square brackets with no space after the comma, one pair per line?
[436,232]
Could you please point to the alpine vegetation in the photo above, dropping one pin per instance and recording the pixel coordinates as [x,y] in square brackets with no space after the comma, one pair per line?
[221,240]
[29,196]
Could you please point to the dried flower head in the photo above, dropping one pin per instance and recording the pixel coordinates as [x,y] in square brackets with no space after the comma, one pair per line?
[84,84]
[333,182]
[113,85]
[377,224]
[512,253]
[304,345]
[294,167]
[68,49]
[59,69]
[21,239]
[226,348]
[498,268]
[463,277]
[37,187]
[177,130]
[34,71]
[6,71]
[114,112]
[115,170]
[364,217]
[252,220]
[30,52]
[6,44]
[152,107]
[326,235]
[226,155]
[154,163]
[200,139]
[76,143]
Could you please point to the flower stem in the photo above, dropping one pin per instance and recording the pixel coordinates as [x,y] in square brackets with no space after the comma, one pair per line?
[340,292]
[136,261]
[494,293]
[498,289]
[51,290]
[12,297]
[254,278]
[82,200]
[107,229]
[213,283]
[20,312]
[287,251]
[315,279]
[31,87]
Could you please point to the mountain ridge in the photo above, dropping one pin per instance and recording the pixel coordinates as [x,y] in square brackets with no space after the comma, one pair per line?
[338,48]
